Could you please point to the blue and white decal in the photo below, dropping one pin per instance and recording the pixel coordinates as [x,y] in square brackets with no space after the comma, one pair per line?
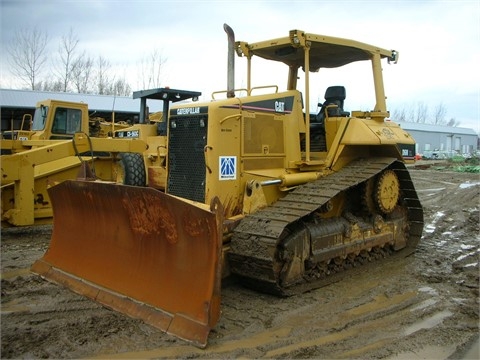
[228,167]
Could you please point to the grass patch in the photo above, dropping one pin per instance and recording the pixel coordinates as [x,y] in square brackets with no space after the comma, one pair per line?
[467,168]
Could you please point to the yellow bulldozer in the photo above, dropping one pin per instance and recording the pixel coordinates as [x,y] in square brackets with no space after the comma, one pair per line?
[258,187]
[62,136]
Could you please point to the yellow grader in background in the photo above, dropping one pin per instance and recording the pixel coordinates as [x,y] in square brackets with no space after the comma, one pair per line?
[62,136]
[55,120]
[257,187]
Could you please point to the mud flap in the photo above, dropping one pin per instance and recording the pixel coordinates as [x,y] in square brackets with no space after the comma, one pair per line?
[138,251]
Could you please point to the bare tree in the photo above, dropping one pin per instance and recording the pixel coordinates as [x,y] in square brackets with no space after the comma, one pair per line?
[439,115]
[410,114]
[53,85]
[102,79]
[150,69]
[406,113]
[119,87]
[68,61]
[74,70]
[421,113]
[27,54]
[452,122]
[82,72]
[399,115]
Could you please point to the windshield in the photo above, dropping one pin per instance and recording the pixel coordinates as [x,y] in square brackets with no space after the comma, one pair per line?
[40,117]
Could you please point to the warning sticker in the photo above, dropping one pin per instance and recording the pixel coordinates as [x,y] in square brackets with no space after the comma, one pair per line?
[228,168]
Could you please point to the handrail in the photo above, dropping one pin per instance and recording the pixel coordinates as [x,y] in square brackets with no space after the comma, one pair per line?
[263,87]
[226,91]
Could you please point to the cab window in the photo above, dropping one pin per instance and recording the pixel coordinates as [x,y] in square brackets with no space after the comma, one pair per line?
[67,121]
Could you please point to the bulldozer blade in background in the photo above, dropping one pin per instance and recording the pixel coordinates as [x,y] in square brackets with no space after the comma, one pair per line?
[138,251]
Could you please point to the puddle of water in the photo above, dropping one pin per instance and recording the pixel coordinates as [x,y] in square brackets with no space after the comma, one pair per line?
[13,307]
[428,352]
[428,323]
[380,302]
[424,304]
[428,290]
[473,352]
[359,351]
[14,273]
[214,351]
[435,189]
[467,185]
[331,338]
[464,256]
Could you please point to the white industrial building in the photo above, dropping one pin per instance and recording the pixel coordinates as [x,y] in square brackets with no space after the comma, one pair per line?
[437,141]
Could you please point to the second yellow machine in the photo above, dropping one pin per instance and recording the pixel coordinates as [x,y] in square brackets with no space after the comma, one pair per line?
[257,186]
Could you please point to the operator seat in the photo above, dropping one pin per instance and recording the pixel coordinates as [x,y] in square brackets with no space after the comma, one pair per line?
[334,95]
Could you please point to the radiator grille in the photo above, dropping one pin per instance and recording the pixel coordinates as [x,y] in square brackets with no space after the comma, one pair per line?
[186,159]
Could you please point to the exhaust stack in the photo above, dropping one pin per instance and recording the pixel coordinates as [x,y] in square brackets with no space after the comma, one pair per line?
[231,61]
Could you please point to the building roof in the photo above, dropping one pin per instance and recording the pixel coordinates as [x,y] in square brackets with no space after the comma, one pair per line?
[105,103]
[412,126]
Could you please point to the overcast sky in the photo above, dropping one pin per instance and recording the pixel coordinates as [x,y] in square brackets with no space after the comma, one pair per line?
[438,42]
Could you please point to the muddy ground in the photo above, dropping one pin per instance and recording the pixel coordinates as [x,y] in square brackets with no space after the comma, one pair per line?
[424,306]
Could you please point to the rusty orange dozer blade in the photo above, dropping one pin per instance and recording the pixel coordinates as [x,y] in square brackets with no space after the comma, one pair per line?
[138,251]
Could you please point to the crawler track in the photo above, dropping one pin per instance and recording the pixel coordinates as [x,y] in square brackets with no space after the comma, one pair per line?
[287,249]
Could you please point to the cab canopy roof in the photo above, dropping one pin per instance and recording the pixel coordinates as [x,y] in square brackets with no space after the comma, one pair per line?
[325,51]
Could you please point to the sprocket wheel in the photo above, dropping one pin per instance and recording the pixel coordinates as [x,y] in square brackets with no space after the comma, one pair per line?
[387,191]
